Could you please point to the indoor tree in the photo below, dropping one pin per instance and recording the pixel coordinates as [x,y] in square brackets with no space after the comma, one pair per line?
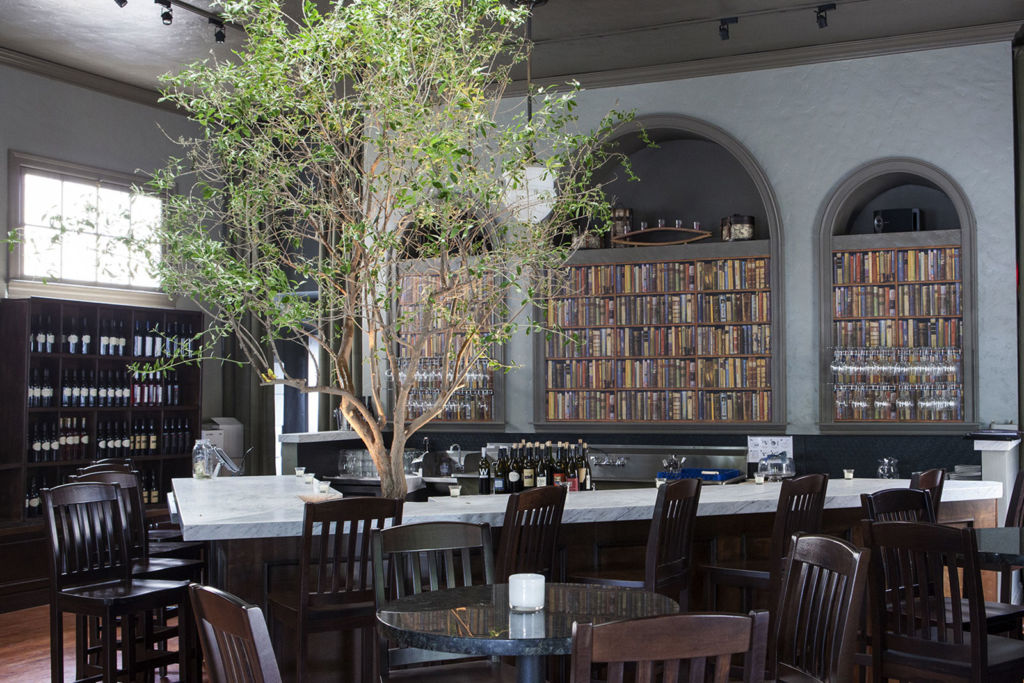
[359,157]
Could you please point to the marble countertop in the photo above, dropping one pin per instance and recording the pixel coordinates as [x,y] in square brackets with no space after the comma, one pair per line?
[267,507]
[317,437]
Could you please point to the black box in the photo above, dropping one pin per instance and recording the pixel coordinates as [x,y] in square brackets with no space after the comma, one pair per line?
[897,220]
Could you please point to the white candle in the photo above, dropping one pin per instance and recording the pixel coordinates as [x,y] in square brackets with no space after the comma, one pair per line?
[526,592]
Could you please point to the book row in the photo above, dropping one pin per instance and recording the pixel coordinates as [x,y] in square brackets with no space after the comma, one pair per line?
[663,406]
[666,276]
[901,300]
[932,332]
[913,404]
[621,342]
[660,309]
[662,373]
[896,265]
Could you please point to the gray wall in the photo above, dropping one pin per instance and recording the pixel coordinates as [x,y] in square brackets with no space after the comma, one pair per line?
[808,127]
[54,119]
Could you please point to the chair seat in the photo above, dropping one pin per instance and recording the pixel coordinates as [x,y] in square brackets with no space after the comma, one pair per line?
[754,574]
[164,535]
[475,671]
[285,603]
[631,577]
[138,594]
[169,568]
[1005,660]
[1001,617]
[186,549]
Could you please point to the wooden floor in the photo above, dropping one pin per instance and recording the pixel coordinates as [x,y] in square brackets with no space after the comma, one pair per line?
[25,647]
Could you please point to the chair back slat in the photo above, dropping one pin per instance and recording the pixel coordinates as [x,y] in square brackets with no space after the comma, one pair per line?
[407,560]
[86,524]
[922,574]
[654,644]
[931,481]
[669,556]
[814,632]
[529,532]
[898,505]
[335,561]
[131,491]
[234,638]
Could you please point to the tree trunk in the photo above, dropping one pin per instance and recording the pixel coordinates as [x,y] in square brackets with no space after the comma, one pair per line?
[391,470]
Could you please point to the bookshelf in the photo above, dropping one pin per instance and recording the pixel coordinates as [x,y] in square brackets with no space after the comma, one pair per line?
[479,402]
[897,351]
[673,337]
[70,398]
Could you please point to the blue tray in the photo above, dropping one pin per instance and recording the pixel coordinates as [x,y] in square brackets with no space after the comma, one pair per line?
[708,474]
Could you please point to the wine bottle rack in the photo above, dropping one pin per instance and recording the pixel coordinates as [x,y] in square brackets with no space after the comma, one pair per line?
[72,399]
[897,337]
[681,341]
[476,402]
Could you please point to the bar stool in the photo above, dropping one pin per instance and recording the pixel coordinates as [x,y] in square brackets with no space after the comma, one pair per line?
[931,481]
[801,500]
[529,532]
[234,637]
[669,557]
[90,572]
[335,587]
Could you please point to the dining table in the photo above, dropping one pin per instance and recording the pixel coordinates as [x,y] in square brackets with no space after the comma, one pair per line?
[477,620]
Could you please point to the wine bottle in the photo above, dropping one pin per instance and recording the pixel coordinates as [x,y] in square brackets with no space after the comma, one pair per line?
[529,468]
[148,340]
[515,472]
[484,470]
[33,333]
[138,339]
[501,471]
[558,471]
[86,339]
[35,449]
[70,335]
[122,338]
[51,335]
[152,448]
[83,439]
[571,471]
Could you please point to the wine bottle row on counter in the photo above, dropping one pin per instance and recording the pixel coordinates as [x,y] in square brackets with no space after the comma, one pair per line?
[34,499]
[76,337]
[530,465]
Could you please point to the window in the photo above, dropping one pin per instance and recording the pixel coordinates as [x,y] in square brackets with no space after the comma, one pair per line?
[93,209]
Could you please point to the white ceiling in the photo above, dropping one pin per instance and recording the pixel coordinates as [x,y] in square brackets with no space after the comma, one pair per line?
[592,38]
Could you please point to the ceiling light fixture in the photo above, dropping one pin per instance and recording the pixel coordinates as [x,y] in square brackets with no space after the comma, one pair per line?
[121,3]
[167,14]
[723,26]
[218,31]
[821,14]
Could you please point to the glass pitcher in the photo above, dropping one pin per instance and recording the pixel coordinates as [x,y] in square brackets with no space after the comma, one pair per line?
[888,468]
[208,459]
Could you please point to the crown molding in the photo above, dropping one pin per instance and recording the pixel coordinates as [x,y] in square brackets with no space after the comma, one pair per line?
[84,79]
[812,54]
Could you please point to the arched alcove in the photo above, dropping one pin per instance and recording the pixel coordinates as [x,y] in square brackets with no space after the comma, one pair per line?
[928,275]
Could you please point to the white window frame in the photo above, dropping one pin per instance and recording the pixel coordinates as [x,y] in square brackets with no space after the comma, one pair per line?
[20,285]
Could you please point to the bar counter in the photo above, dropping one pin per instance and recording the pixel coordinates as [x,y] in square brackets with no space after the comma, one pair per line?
[251,521]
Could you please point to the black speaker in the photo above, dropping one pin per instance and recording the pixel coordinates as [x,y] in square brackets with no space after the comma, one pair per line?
[898,220]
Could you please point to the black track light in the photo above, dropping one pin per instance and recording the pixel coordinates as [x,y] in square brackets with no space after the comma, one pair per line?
[821,14]
[121,3]
[167,14]
[218,31]
[723,26]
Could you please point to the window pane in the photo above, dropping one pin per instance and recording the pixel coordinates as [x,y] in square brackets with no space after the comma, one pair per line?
[80,202]
[113,263]
[41,199]
[40,255]
[78,257]
[114,207]
[141,274]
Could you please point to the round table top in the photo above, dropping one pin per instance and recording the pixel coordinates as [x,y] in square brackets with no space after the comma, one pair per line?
[477,619]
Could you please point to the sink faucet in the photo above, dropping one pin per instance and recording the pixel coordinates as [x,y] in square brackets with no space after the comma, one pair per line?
[455,451]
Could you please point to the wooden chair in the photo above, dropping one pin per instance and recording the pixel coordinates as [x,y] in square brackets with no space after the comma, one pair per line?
[917,571]
[931,481]
[1014,518]
[801,501]
[898,505]
[695,647]
[335,589]
[914,505]
[90,572]
[814,630]
[668,562]
[411,559]
[105,467]
[529,532]
[234,638]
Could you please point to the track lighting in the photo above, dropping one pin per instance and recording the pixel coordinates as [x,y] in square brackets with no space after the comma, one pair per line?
[723,26]
[821,16]
[218,31]
[121,3]
[167,14]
